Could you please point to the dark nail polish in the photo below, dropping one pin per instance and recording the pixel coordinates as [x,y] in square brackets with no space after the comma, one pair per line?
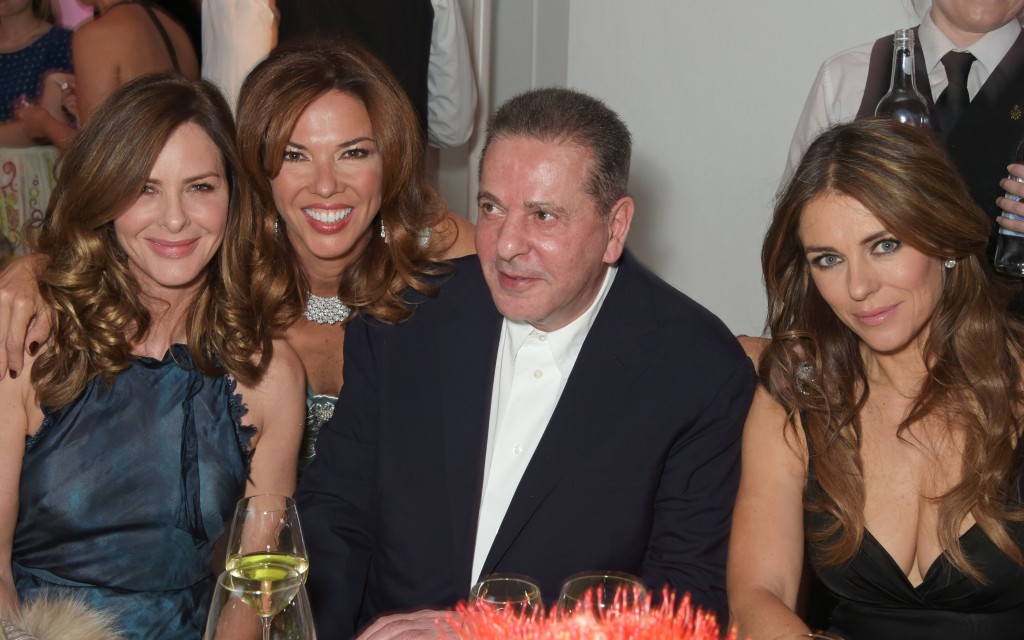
[32,348]
[14,374]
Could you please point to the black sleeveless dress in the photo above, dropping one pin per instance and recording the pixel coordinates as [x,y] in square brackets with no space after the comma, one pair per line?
[876,601]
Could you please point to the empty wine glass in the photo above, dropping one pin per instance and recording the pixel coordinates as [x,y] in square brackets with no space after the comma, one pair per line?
[266,531]
[255,609]
[602,589]
[507,591]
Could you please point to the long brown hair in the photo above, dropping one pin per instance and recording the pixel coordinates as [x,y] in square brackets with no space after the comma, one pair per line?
[98,312]
[273,97]
[973,351]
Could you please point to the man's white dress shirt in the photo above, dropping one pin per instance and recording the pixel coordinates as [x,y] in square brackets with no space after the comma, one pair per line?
[530,373]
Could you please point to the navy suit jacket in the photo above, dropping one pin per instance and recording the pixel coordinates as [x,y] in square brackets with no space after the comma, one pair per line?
[637,469]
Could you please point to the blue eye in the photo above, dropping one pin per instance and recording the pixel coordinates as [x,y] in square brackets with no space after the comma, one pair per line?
[887,245]
[826,261]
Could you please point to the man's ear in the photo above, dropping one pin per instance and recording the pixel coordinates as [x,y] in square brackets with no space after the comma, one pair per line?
[619,219]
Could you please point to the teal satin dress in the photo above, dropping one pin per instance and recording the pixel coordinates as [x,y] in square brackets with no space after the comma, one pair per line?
[124,493]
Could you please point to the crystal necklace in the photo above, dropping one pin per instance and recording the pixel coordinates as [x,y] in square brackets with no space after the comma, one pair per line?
[326,310]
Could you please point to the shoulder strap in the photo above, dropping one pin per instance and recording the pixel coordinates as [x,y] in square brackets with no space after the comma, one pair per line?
[163,33]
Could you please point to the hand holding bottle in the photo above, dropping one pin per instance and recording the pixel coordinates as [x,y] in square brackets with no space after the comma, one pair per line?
[1009,258]
[1010,205]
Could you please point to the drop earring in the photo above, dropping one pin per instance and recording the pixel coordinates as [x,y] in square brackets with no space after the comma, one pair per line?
[383,231]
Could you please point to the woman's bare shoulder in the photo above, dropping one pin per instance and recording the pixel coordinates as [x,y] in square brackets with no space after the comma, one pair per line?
[753,346]
[458,235]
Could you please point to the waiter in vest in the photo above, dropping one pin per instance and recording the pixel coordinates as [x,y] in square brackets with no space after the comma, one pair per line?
[970,69]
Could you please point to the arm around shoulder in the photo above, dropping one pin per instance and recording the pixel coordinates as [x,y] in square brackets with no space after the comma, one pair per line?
[766,550]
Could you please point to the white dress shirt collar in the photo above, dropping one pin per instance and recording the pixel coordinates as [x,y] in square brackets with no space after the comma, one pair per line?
[989,50]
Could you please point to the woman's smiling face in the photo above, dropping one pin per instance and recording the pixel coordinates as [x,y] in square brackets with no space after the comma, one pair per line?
[328,190]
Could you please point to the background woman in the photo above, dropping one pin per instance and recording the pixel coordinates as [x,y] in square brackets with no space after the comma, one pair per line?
[887,432]
[156,405]
[30,47]
[338,155]
[127,39]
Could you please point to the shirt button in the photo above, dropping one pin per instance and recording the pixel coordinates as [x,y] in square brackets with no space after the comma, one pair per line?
[537,373]
[517,450]
[542,338]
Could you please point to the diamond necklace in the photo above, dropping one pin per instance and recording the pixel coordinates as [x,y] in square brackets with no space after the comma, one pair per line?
[326,310]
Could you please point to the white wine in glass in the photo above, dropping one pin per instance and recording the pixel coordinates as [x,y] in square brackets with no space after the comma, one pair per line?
[507,591]
[244,609]
[266,531]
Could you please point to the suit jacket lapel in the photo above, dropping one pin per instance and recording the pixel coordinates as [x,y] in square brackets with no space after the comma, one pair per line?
[609,359]
[467,353]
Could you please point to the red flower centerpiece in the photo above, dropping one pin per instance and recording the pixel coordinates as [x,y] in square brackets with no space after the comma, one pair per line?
[623,619]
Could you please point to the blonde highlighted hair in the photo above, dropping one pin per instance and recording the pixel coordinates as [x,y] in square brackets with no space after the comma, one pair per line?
[98,311]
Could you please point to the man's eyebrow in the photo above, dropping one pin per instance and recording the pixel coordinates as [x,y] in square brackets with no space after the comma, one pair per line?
[542,205]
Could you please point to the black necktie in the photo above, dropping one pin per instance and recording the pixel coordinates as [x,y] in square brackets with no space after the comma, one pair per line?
[954,100]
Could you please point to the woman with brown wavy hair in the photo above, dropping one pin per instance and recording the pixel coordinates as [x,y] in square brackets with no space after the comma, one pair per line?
[887,430]
[338,147]
[161,398]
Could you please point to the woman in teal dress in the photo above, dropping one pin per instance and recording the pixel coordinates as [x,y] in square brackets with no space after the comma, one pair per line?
[161,398]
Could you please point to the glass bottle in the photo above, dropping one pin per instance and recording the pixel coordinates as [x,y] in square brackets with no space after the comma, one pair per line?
[1009,258]
[904,103]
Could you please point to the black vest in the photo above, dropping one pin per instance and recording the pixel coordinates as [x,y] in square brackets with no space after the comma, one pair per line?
[396,31]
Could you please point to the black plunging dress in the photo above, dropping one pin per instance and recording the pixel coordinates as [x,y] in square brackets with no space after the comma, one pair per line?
[876,600]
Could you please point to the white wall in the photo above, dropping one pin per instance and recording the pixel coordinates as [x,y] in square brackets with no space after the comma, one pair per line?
[711,91]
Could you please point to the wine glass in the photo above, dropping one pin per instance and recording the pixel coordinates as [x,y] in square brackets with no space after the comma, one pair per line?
[265,547]
[251,609]
[507,591]
[601,589]
[266,530]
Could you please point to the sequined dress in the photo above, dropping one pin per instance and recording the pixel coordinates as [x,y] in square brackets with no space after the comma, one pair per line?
[124,492]
[319,409]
